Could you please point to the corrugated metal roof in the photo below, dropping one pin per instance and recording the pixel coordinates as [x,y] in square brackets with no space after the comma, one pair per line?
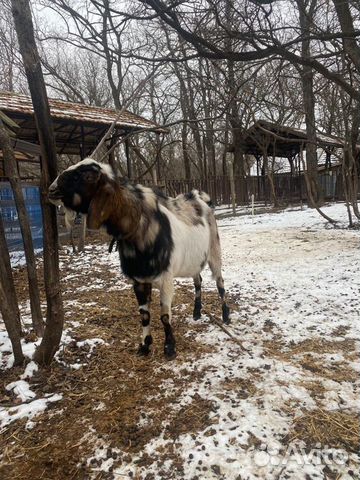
[18,103]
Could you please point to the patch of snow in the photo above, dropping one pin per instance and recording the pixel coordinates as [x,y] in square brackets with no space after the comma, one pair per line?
[92,343]
[100,406]
[6,356]
[294,280]
[18,259]
[21,389]
[30,369]
[26,410]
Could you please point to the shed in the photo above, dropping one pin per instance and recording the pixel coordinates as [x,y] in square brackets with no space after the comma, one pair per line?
[282,141]
[78,129]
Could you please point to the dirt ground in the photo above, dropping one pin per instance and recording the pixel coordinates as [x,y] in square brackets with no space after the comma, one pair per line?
[126,386]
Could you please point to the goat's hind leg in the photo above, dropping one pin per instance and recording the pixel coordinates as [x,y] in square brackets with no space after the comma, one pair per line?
[143,296]
[215,268]
[197,305]
[166,295]
[225,308]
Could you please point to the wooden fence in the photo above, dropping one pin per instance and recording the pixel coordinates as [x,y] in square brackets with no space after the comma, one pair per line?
[288,188]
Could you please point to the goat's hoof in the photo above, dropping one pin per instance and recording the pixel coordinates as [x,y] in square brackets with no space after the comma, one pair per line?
[170,352]
[143,350]
[226,314]
[196,315]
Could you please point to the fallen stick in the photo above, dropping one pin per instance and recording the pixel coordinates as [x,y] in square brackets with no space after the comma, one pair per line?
[224,329]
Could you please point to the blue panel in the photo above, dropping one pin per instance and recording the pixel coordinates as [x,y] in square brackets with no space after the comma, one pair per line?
[9,216]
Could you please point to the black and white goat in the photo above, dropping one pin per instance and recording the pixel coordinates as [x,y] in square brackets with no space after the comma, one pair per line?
[158,237]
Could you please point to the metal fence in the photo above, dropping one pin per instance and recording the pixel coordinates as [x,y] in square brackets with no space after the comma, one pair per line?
[10,219]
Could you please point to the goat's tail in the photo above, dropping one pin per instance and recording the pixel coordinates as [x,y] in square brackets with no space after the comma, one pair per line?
[206,198]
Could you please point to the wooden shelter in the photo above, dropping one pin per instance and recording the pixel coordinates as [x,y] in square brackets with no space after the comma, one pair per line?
[282,141]
[78,128]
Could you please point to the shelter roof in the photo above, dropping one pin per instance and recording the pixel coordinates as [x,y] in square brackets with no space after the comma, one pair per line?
[281,140]
[76,125]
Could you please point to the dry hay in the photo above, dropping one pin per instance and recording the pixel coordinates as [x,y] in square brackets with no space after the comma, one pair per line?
[337,371]
[335,429]
[137,394]
[287,351]
[307,355]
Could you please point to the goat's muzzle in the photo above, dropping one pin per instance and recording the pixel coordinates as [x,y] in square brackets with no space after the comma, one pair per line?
[54,194]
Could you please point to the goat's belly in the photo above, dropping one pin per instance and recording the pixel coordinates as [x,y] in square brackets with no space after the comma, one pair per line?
[147,264]
[190,252]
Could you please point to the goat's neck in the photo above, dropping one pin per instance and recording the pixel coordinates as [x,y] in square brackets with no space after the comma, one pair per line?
[126,212]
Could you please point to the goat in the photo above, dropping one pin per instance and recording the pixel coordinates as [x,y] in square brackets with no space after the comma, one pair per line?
[158,237]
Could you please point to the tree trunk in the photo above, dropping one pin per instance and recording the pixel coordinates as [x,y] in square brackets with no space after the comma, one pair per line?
[270,177]
[232,187]
[186,155]
[8,300]
[11,172]
[239,161]
[27,46]
[351,46]
[307,80]
[355,129]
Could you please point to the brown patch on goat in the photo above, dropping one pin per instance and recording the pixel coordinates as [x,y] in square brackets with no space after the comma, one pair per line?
[117,206]
[197,208]
[101,206]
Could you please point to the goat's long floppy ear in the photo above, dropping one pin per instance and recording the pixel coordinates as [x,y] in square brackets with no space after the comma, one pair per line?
[100,207]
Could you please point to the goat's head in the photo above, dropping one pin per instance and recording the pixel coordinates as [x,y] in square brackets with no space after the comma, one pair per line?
[86,187]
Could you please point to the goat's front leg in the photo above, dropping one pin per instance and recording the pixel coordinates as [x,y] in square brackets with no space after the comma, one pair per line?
[143,296]
[166,295]
[197,305]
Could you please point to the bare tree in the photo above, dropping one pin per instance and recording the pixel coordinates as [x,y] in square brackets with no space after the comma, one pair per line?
[8,300]
[55,315]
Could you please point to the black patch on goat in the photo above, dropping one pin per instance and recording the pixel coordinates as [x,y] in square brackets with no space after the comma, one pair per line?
[152,261]
[189,195]
[159,193]
[170,344]
[72,181]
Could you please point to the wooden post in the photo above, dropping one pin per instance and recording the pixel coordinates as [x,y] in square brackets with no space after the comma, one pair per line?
[28,49]
[82,234]
[82,229]
[8,300]
[10,171]
[128,160]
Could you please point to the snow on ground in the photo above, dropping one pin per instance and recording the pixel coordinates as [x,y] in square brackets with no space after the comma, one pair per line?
[18,258]
[295,280]
[307,273]
[27,405]
[296,285]
[27,410]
